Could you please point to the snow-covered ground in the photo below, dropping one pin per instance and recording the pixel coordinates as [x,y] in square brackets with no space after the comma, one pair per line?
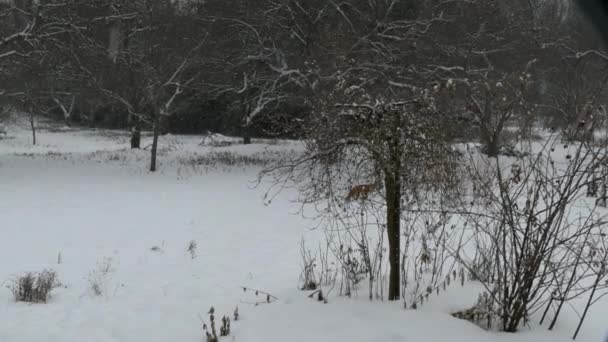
[82,197]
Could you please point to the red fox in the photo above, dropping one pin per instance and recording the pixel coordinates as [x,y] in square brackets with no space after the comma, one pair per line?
[360,192]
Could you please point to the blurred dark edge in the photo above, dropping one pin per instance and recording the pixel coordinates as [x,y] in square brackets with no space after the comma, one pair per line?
[597,11]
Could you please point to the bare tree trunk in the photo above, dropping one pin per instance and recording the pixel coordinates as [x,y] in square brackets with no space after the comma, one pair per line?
[91,116]
[393,224]
[33,127]
[246,135]
[135,137]
[492,148]
[246,127]
[156,129]
[392,175]
[489,138]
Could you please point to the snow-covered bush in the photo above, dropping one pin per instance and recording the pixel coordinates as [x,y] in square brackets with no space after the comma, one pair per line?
[318,270]
[34,287]
[224,328]
[484,313]
[428,263]
[308,277]
[354,266]
[531,234]
[98,278]
[219,160]
[192,249]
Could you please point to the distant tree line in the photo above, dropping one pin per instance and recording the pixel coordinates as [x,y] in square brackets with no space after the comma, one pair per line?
[263,67]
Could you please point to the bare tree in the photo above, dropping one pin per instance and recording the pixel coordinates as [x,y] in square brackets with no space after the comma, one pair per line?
[375,124]
[576,94]
[386,145]
[490,55]
[495,102]
[149,69]
[47,34]
[259,68]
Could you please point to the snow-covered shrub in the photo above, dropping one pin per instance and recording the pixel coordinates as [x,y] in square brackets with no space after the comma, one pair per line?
[192,249]
[211,331]
[225,328]
[236,314]
[429,265]
[354,266]
[216,140]
[34,287]
[308,278]
[235,159]
[317,269]
[483,314]
[532,235]
[98,278]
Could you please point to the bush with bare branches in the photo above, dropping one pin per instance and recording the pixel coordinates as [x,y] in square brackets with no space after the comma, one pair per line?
[530,236]
[34,287]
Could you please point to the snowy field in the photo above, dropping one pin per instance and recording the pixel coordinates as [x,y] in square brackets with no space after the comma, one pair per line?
[83,204]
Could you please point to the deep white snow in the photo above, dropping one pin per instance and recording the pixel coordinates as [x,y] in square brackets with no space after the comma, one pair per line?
[82,194]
